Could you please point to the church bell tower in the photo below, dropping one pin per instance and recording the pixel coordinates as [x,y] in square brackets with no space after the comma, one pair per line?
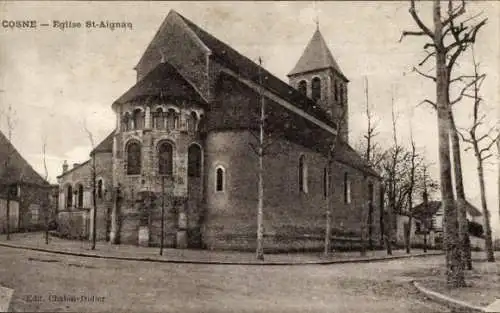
[318,76]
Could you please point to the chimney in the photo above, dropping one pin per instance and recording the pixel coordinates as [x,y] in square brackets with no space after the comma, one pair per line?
[75,164]
[65,166]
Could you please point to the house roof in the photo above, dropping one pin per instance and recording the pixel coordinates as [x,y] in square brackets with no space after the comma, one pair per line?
[106,145]
[316,56]
[247,68]
[77,166]
[434,206]
[14,168]
[163,81]
[422,210]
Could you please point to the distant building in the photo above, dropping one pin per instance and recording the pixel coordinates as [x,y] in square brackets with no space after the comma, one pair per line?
[428,220]
[186,128]
[26,193]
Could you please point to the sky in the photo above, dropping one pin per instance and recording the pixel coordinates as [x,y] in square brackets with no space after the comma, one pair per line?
[58,80]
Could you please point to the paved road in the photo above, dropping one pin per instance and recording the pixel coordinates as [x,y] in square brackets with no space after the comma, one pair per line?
[48,282]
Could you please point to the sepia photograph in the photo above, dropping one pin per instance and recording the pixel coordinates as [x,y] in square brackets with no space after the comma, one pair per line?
[250,156]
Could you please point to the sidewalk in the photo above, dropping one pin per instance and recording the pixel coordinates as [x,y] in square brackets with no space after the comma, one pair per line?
[483,286]
[36,241]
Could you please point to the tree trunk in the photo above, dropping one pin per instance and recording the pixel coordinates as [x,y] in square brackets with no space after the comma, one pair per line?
[260,204]
[328,226]
[7,212]
[454,270]
[463,227]
[381,217]
[363,220]
[487,226]
[408,234]
[94,204]
[389,222]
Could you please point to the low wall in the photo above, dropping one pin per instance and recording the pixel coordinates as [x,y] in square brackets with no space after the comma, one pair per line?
[73,224]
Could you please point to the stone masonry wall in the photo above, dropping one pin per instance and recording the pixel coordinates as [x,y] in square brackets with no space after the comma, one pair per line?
[231,215]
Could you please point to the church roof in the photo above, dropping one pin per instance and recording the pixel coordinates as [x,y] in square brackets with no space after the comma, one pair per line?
[247,68]
[163,81]
[14,168]
[316,56]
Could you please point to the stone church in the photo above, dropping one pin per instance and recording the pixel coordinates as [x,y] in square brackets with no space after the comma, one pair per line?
[183,149]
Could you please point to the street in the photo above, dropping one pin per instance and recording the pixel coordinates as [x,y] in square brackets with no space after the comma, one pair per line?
[50,282]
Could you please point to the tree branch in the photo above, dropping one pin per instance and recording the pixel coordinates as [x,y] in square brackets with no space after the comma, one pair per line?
[423,74]
[419,22]
[434,105]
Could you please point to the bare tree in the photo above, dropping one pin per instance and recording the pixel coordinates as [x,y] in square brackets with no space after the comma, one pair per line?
[9,175]
[391,180]
[481,144]
[339,120]
[93,177]
[45,204]
[371,133]
[450,37]
[411,184]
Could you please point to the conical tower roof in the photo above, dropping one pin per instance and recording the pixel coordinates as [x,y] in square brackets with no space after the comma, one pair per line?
[316,56]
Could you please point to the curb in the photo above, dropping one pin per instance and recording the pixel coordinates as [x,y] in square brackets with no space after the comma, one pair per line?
[5,298]
[177,261]
[448,301]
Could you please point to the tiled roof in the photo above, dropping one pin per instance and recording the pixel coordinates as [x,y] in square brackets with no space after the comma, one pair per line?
[421,210]
[247,68]
[163,81]
[14,168]
[434,206]
[316,56]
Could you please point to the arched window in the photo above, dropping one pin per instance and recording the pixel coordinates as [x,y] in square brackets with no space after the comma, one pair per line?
[219,179]
[171,119]
[69,196]
[80,196]
[133,158]
[316,89]
[99,189]
[302,87]
[191,122]
[126,121]
[302,174]
[194,161]
[347,189]
[158,121]
[138,118]
[165,158]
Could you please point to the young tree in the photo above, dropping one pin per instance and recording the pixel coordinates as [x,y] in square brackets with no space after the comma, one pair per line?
[481,144]
[371,133]
[9,175]
[93,182]
[391,173]
[339,120]
[411,187]
[45,204]
[448,40]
